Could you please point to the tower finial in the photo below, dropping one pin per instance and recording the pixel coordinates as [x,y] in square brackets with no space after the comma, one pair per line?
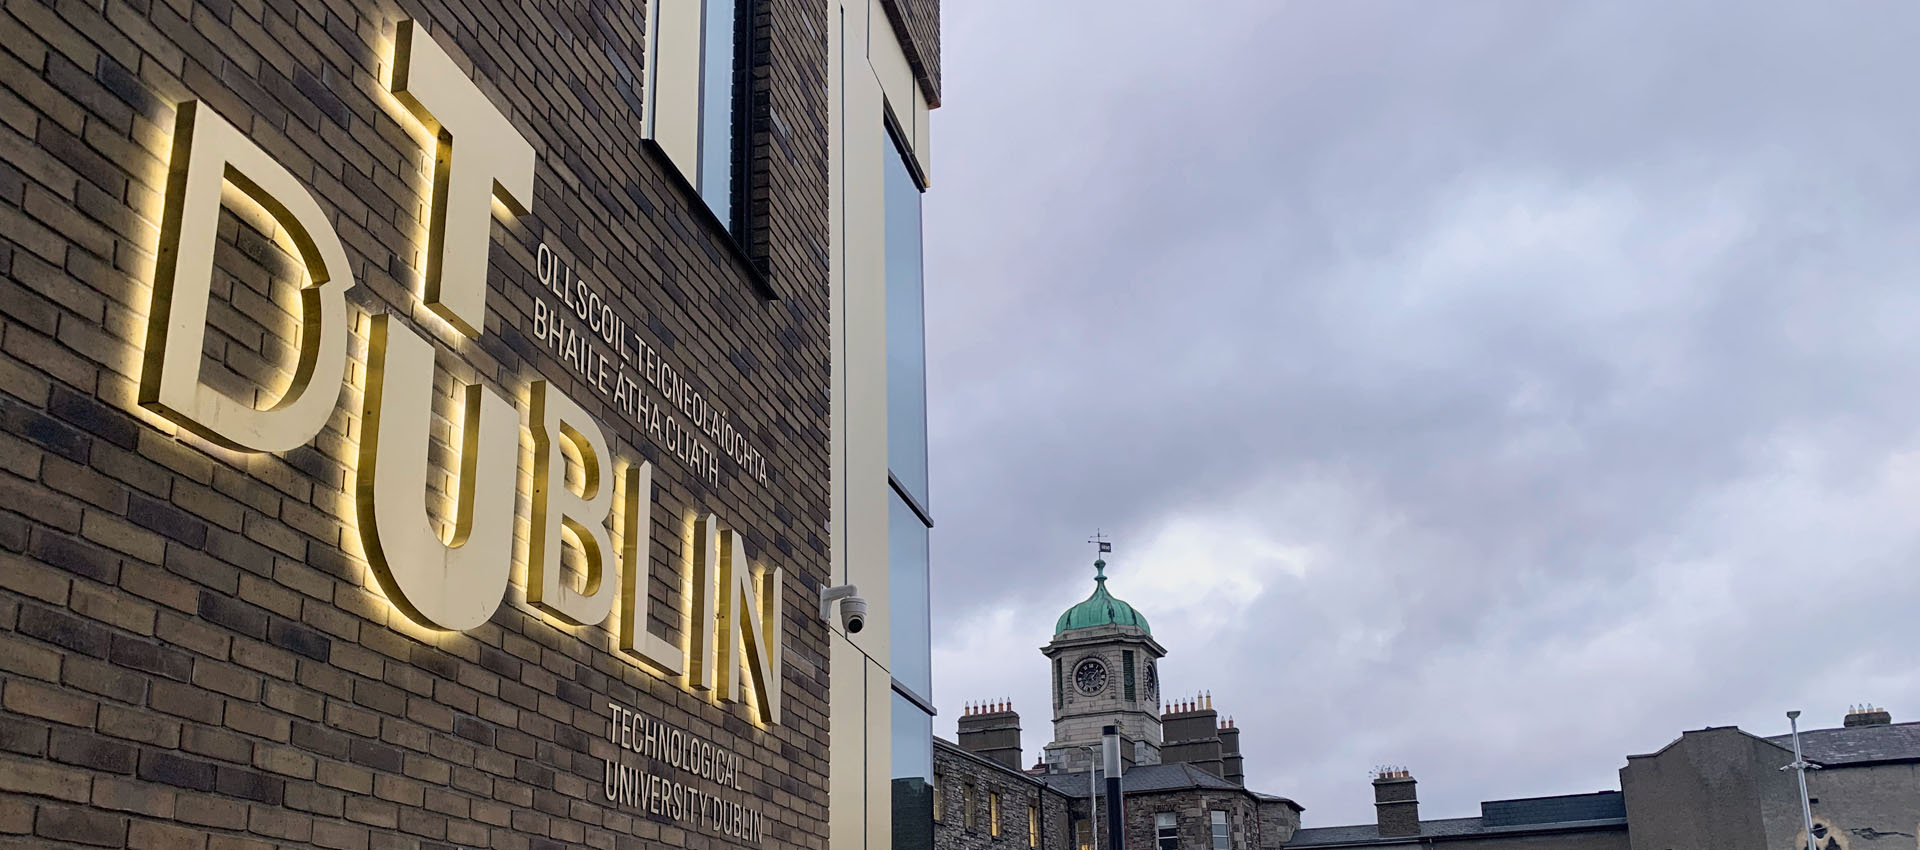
[1103,545]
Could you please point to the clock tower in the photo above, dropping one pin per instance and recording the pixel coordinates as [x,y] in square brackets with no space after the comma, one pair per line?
[1105,673]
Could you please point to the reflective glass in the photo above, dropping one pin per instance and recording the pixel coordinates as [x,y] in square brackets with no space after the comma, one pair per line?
[912,747]
[906,332]
[908,617]
[715,180]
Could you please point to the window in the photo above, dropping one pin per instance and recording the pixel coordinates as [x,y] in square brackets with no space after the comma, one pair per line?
[939,796]
[1166,831]
[1033,827]
[909,615]
[1083,833]
[906,330]
[993,814]
[719,73]
[967,808]
[913,788]
[696,98]
[1126,661]
[1058,677]
[1221,837]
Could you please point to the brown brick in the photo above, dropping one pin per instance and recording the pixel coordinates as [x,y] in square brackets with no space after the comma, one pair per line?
[25,659]
[339,836]
[43,779]
[142,726]
[16,816]
[24,737]
[84,749]
[138,797]
[121,536]
[164,767]
[36,700]
[210,811]
[81,826]
[148,835]
[113,609]
[216,744]
[184,700]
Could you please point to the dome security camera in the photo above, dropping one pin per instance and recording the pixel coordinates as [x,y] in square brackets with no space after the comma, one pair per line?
[853,609]
[853,614]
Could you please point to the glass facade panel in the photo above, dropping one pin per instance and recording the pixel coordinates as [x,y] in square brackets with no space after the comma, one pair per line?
[906,332]
[912,748]
[908,616]
[717,62]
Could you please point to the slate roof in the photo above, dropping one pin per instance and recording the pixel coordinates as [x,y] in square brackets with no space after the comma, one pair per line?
[1605,810]
[1857,744]
[1145,778]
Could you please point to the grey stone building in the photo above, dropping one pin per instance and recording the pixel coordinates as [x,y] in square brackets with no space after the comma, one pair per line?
[1183,774]
[1720,787]
[1184,780]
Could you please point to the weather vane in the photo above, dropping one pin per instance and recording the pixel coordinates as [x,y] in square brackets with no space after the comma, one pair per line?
[1104,542]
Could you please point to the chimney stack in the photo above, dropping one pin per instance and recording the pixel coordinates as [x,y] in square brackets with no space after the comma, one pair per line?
[1233,766]
[1868,715]
[1191,734]
[992,730]
[1395,803]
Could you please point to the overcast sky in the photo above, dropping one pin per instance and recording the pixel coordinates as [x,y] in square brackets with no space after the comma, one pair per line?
[1493,388]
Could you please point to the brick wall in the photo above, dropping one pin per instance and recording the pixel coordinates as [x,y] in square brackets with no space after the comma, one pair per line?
[194,654]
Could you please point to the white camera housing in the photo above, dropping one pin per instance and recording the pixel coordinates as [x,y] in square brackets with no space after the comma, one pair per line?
[853,609]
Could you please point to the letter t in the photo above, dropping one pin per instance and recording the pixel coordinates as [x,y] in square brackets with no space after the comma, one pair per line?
[492,159]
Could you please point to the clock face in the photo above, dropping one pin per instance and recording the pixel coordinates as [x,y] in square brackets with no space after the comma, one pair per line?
[1153,679]
[1090,677]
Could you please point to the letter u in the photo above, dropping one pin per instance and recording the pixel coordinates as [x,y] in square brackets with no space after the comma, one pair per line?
[454,584]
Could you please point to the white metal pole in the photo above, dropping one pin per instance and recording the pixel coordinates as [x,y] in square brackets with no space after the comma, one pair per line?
[1800,770]
[1093,801]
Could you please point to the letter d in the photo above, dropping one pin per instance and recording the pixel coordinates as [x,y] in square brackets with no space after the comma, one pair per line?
[208,153]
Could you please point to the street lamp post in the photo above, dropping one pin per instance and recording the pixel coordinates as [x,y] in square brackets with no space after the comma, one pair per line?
[1800,766]
[1093,791]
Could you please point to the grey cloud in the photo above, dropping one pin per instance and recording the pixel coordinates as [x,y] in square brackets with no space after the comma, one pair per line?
[1575,341]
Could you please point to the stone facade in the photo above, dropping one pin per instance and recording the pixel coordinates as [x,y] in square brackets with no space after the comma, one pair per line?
[1724,786]
[1129,697]
[195,653]
[962,776]
[1193,819]
[1716,787]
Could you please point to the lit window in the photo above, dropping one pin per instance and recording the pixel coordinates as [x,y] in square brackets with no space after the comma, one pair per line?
[993,814]
[1033,827]
[939,796]
[1221,837]
[1166,831]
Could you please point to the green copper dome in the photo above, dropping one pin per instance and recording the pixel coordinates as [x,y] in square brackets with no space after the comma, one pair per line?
[1100,609]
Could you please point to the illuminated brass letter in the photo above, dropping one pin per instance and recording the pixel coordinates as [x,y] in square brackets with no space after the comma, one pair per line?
[704,569]
[490,159]
[457,584]
[584,514]
[636,574]
[749,618]
[208,153]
